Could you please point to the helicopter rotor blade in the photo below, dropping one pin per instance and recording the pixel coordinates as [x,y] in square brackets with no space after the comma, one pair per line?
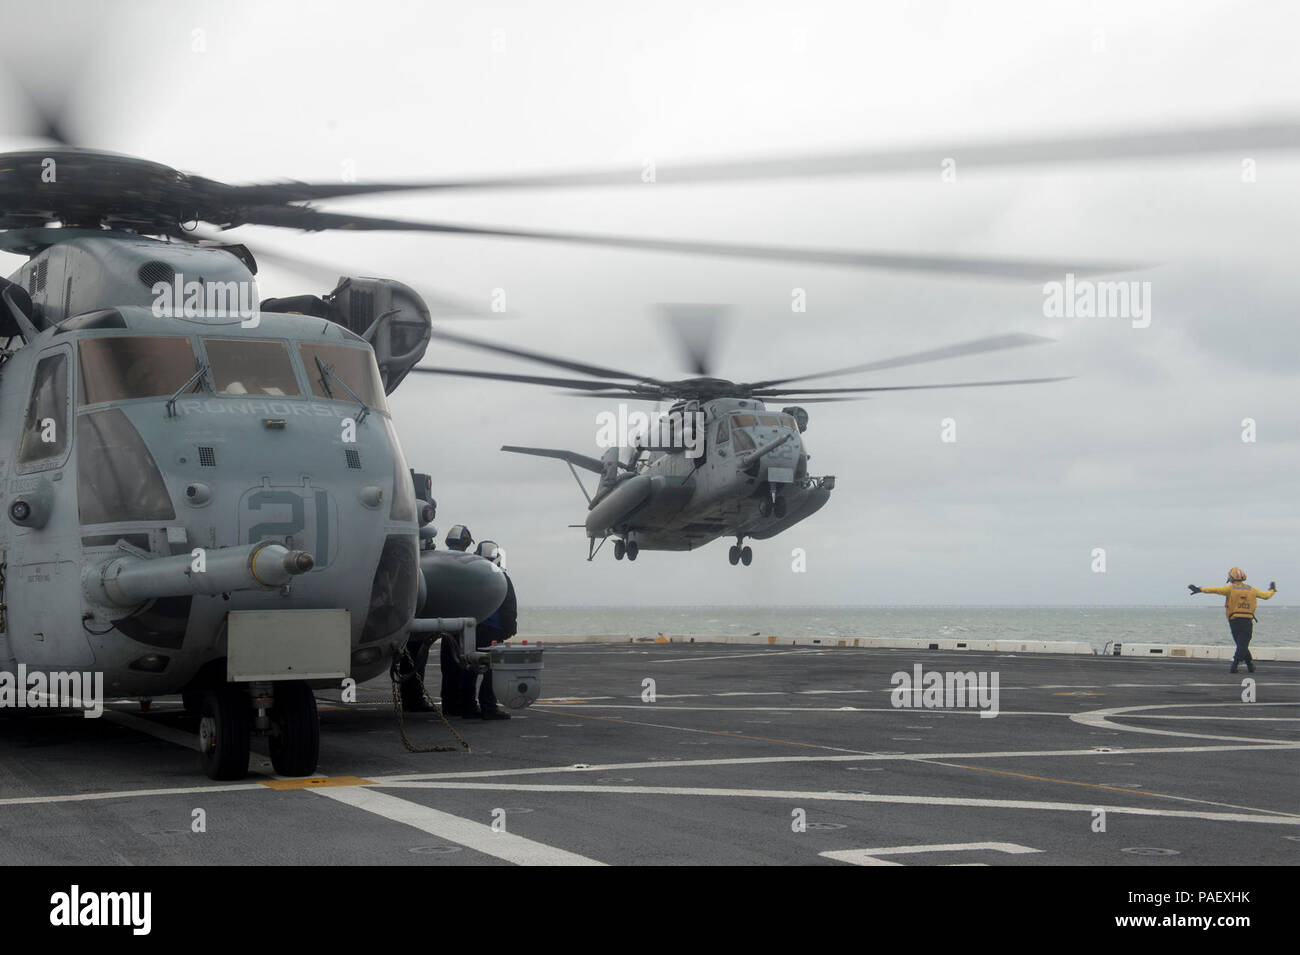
[696,328]
[974,347]
[543,359]
[794,394]
[529,379]
[1264,133]
[300,217]
[441,305]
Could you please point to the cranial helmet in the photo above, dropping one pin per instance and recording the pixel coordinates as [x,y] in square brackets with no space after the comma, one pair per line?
[490,551]
[458,538]
[1236,574]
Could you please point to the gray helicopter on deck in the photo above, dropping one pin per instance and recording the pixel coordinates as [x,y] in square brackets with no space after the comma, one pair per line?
[719,462]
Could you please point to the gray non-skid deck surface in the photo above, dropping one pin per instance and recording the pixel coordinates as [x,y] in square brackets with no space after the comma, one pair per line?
[740,745]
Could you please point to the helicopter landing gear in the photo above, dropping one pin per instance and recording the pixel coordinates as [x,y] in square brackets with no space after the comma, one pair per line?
[632,550]
[294,739]
[619,550]
[224,727]
[740,554]
[775,505]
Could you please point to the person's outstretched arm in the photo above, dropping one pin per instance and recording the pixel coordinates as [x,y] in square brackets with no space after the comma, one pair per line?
[1267,594]
[1221,591]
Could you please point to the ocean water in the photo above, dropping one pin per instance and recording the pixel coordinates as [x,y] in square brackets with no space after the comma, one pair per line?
[1097,626]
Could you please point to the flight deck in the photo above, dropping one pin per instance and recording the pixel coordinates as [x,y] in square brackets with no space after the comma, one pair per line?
[668,754]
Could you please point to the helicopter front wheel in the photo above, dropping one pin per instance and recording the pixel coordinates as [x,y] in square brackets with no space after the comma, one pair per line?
[619,550]
[632,550]
[733,555]
[224,726]
[295,729]
[746,555]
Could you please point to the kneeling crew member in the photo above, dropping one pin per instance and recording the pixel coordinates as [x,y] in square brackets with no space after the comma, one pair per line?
[1240,607]
[457,682]
[498,628]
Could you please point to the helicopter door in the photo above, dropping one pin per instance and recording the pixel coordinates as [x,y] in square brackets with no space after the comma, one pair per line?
[43,587]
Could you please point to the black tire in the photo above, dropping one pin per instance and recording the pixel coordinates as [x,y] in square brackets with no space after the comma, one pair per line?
[779,507]
[764,508]
[733,555]
[295,729]
[225,720]
[619,550]
[632,550]
[746,555]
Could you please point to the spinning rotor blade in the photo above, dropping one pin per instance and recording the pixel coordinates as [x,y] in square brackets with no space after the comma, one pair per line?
[994,343]
[530,379]
[440,304]
[696,329]
[299,217]
[1267,133]
[793,394]
[565,363]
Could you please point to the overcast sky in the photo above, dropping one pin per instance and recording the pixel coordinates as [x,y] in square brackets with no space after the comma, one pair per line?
[1141,453]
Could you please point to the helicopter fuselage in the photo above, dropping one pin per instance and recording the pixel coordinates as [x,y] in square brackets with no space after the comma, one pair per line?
[749,457]
[142,428]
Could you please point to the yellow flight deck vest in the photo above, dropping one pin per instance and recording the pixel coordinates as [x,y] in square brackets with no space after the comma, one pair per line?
[1241,598]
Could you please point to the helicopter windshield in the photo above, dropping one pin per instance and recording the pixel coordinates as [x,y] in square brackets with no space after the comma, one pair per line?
[242,366]
[354,367]
[115,369]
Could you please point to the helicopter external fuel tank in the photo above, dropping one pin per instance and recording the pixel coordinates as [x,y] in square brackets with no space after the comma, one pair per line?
[634,497]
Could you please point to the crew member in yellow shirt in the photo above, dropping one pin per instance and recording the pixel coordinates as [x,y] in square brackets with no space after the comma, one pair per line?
[1240,608]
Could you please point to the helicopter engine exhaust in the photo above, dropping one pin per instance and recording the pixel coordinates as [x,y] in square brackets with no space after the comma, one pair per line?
[128,580]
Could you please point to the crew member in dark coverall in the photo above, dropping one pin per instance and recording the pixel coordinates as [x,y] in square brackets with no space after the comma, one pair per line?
[457,682]
[498,628]
[1240,607]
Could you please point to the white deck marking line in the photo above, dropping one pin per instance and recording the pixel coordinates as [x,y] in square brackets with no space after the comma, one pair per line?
[610,767]
[1131,789]
[1101,719]
[812,796]
[1244,719]
[730,656]
[650,707]
[472,835]
[865,757]
[130,794]
[872,856]
[189,741]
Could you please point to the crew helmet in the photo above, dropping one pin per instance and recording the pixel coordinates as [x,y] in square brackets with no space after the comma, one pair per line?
[1236,574]
[459,538]
[489,550]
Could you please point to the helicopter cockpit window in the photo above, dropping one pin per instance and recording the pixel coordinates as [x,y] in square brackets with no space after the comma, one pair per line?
[769,420]
[241,366]
[115,369]
[743,441]
[789,422]
[45,431]
[354,367]
[117,479]
[724,432]
[743,421]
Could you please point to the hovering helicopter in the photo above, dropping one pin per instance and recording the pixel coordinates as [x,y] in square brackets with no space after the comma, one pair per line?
[721,464]
[210,499]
